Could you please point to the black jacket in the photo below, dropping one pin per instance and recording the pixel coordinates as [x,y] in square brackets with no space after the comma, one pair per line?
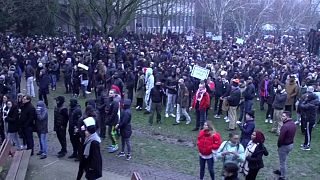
[61,118]
[156,94]
[280,100]
[112,111]
[249,93]
[125,123]
[221,88]
[235,96]
[246,130]
[42,118]
[75,114]
[43,83]
[255,160]
[28,115]
[93,164]
[309,107]
[13,120]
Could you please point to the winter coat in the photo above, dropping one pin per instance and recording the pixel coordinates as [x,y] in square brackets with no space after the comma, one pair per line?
[255,161]
[272,93]
[140,92]
[28,115]
[42,118]
[183,96]
[43,84]
[208,143]
[125,120]
[157,94]
[221,89]
[74,116]
[280,100]
[249,93]
[61,118]
[204,103]
[292,90]
[13,120]
[92,165]
[235,96]
[113,108]
[309,107]
[246,131]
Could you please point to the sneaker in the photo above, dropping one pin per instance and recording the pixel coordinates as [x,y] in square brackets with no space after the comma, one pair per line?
[188,122]
[121,154]
[217,116]
[172,115]
[270,121]
[128,157]
[167,115]
[258,99]
[113,149]
[266,121]
[43,156]
[109,147]
[227,120]
[277,172]
[39,153]
[302,145]
[177,123]
[305,148]
[238,122]
[138,107]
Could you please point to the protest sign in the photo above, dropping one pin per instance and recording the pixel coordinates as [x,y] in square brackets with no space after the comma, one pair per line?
[200,72]
[83,66]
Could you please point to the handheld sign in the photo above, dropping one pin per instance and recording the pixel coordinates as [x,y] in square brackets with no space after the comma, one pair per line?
[189,38]
[83,66]
[200,72]
[217,38]
[240,41]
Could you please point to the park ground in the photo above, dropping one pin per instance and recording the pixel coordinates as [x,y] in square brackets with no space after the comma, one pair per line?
[164,151]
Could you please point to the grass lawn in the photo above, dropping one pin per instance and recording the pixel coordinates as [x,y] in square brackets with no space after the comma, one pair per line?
[183,157]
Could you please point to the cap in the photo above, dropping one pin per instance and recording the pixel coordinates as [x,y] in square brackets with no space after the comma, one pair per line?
[236,81]
[89,122]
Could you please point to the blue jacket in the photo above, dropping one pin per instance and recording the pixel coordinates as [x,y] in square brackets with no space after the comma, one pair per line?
[246,131]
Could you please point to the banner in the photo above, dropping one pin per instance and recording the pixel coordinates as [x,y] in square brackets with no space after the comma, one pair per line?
[217,38]
[240,41]
[83,66]
[200,72]
[189,38]
[208,34]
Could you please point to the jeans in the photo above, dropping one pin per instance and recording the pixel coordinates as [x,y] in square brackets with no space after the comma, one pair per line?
[53,80]
[14,137]
[184,112]
[201,118]
[248,104]
[283,153]
[43,144]
[124,142]
[170,103]
[43,96]
[269,113]
[30,87]
[262,101]
[210,163]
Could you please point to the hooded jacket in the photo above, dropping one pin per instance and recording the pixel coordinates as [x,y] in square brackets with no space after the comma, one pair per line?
[113,109]
[208,143]
[42,118]
[235,96]
[12,119]
[125,120]
[75,114]
[28,115]
[280,100]
[309,107]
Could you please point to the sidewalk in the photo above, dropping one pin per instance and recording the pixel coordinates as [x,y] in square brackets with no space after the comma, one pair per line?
[53,168]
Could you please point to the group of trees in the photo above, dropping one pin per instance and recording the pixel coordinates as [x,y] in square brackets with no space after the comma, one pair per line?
[248,16]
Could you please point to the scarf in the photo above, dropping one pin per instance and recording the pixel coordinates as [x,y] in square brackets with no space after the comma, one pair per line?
[87,143]
[248,152]
[266,88]
[200,94]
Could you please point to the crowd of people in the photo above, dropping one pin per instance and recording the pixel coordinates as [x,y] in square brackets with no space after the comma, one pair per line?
[155,72]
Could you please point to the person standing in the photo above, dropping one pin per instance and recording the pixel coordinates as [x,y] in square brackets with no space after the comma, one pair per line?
[201,102]
[27,118]
[264,85]
[208,142]
[171,86]
[249,94]
[182,102]
[156,96]
[233,100]
[12,119]
[247,129]
[222,87]
[130,80]
[43,83]
[309,108]
[292,90]
[42,128]
[91,159]
[253,156]
[140,91]
[30,77]
[67,74]
[278,106]
[285,143]
[149,79]
[61,119]
[74,117]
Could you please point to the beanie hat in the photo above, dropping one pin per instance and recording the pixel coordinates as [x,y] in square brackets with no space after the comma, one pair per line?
[90,124]
[60,99]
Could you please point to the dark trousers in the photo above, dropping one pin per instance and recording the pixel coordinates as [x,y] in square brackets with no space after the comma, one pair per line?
[61,135]
[203,165]
[28,134]
[307,135]
[262,101]
[200,118]
[140,102]
[130,93]
[155,107]
[103,126]
[269,112]
[125,142]
[252,174]
[67,84]
[288,108]
[74,141]
[2,133]
[43,96]
[303,125]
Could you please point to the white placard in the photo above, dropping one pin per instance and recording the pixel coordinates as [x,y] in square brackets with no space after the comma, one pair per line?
[189,38]
[240,41]
[208,34]
[200,72]
[83,66]
[217,38]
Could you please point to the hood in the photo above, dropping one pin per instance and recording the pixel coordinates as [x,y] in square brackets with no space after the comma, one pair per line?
[127,103]
[73,103]
[41,104]
[91,102]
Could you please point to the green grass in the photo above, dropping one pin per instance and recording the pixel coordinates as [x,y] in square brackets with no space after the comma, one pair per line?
[150,151]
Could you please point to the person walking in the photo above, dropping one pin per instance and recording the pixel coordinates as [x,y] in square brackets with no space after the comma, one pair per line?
[42,128]
[278,106]
[156,96]
[125,129]
[247,129]
[253,156]
[208,142]
[61,119]
[309,108]
[182,102]
[28,116]
[285,143]
[201,102]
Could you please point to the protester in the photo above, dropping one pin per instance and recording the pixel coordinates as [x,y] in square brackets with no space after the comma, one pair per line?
[140,91]
[253,156]
[61,119]
[247,128]
[233,100]
[230,171]
[156,96]
[278,106]
[12,118]
[292,91]
[182,102]
[74,118]
[42,128]
[208,142]
[201,102]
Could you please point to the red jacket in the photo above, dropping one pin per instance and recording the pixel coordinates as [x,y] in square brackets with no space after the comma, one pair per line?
[204,103]
[207,143]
